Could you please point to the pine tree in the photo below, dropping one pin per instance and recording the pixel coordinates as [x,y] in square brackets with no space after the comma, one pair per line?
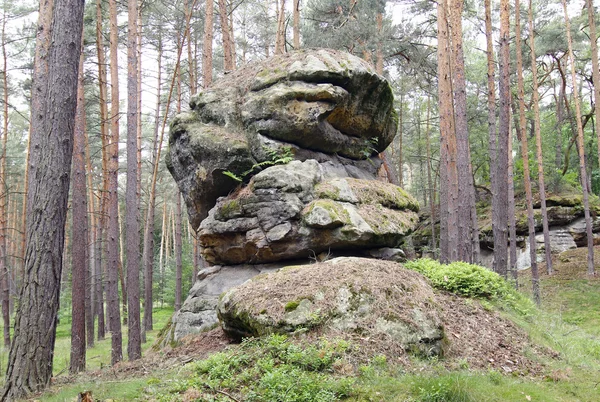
[59,48]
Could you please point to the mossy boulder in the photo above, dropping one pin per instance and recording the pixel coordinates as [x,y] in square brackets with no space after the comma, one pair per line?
[318,104]
[358,296]
[293,211]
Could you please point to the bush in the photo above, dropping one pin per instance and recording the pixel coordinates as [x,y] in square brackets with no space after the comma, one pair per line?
[461,278]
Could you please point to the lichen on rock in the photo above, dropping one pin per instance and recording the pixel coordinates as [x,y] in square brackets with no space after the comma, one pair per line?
[344,295]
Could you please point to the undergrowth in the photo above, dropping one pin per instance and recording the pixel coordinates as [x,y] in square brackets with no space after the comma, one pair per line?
[463,279]
[268,369]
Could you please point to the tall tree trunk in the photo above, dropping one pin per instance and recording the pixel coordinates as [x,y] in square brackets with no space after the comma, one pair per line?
[4,272]
[467,218]
[429,180]
[231,35]
[512,222]
[59,48]
[595,69]
[379,51]
[90,278]
[400,138]
[227,56]
[178,251]
[449,174]
[101,256]
[296,24]
[582,171]
[148,251]
[80,235]
[207,74]
[280,38]
[500,248]
[112,244]
[521,129]
[121,270]
[538,143]
[503,143]
[132,224]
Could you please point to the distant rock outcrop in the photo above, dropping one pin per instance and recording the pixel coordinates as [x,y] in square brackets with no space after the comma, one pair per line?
[278,164]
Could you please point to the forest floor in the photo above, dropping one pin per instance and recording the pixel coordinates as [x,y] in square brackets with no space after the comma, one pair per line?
[566,327]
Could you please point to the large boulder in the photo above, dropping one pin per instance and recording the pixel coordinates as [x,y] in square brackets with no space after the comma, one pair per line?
[316,104]
[356,296]
[292,211]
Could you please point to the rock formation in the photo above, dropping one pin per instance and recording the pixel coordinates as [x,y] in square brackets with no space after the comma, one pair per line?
[278,165]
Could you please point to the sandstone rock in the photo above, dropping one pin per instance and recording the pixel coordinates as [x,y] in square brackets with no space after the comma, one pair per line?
[316,104]
[198,312]
[348,295]
[291,211]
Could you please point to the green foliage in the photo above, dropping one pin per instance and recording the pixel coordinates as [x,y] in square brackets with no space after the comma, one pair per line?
[461,278]
[281,156]
[271,369]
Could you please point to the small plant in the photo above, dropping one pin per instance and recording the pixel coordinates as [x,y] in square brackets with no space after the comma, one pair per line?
[461,278]
[281,156]
[370,147]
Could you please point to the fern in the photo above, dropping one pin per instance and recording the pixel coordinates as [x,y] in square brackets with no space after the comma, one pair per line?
[281,156]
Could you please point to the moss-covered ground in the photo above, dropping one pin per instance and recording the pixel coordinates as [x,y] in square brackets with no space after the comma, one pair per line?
[563,334]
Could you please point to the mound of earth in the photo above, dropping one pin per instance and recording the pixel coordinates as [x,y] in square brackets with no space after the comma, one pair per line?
[377,305]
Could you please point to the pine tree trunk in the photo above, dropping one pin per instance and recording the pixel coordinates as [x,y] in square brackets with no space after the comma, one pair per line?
[580,147]
[207,74]
[132,224]
[500,249]
[379,52]
[4,271]
[400,137]
[429,180]
[503,143]
[112,244]
[467,219]
[90,280]
[538,143]
[512,223]
[227,55]
[178,251]
[101,252]
[58,51]
[148,251]
[280,38]
[80,260]
[595,69]
[449,174]
[296,24]
[521,129]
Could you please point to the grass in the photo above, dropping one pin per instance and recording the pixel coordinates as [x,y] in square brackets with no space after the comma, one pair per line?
[564,339]
[97,358]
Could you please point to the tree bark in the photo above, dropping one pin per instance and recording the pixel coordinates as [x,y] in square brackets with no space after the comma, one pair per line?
[178,251]
[112,291]
[280,38]
[296,24]
[148,251]
[521,129]
[30,357]
[503,142]
[132,224]
[500,248]
[4,271]
[207,74]
[467,218]
[227,55]
[582,171]
[538,143]
[449,174]
[102,222]
[80,235]
[429,179]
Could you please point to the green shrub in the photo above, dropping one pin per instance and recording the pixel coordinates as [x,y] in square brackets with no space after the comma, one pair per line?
[461,278]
